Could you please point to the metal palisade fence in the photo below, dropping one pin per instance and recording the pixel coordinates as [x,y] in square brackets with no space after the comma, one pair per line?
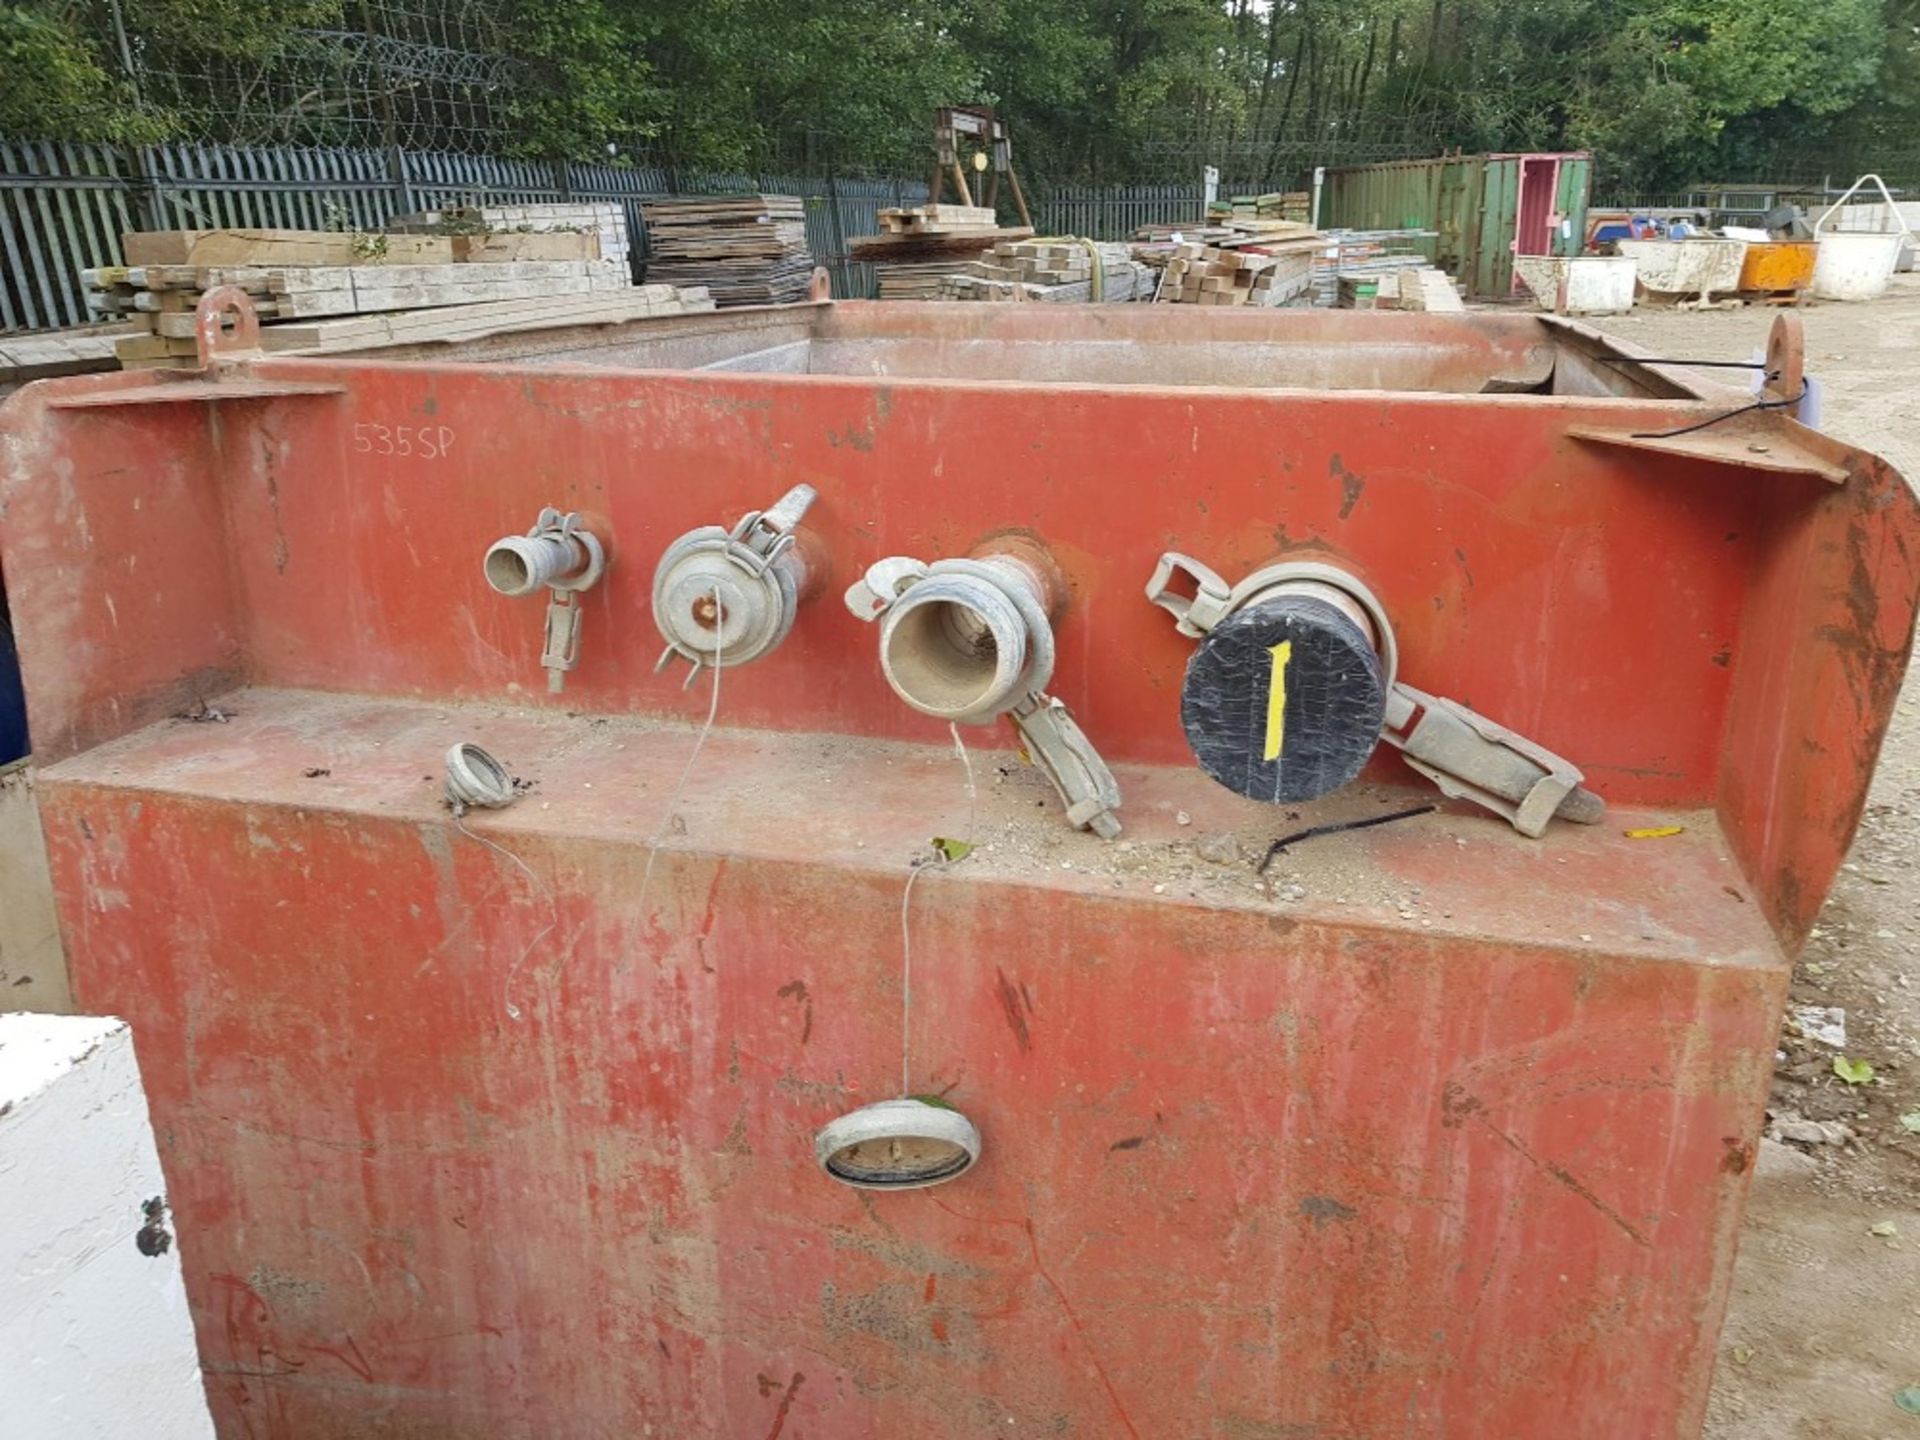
[1114,212]
[63,207]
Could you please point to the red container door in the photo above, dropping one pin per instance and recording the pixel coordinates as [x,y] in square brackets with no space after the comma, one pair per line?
[1539,180]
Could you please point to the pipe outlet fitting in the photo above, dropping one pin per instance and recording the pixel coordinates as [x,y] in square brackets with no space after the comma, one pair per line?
[967,640]
[558,556]
[970,641]
[727,597]
[1294,683]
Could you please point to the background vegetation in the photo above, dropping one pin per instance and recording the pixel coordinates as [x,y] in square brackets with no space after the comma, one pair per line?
[1666,91]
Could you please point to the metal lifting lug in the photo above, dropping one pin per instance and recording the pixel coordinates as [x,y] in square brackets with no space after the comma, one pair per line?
[1472,758]
[726,597]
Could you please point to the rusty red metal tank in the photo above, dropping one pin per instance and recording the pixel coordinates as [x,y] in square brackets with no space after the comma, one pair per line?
[1433,1129]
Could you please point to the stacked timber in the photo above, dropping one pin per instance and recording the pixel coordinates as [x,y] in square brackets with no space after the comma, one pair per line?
[326,290]
[1291,205]
[1261,262]
[476,322]
[918,279]
[1208,275]
[1072,271]
[1355,254]
[743,249]
[1425,288]
[919,248]
[43,354]
[1156,245]
[159,300]
[939,220]
[527,232]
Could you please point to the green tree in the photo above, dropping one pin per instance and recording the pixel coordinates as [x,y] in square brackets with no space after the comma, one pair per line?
[54,82]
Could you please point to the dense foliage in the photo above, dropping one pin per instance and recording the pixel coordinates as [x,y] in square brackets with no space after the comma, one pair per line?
[1665,90]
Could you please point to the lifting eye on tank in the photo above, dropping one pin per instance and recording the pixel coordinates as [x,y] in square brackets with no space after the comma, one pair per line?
[969,640]
[557,554]
[725,597]
[1293,684]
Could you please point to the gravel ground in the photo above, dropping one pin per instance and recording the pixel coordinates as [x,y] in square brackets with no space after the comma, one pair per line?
[1825,1323]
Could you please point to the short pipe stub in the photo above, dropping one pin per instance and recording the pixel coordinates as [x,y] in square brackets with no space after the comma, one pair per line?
[522,564]
[1284,699]
[903,1144]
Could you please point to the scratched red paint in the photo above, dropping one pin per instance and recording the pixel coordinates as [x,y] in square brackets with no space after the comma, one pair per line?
[1317,1170]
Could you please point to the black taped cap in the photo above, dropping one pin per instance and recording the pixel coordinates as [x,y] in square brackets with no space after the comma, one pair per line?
[1283,700]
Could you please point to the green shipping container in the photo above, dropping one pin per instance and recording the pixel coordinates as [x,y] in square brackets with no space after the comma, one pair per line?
[1483,208]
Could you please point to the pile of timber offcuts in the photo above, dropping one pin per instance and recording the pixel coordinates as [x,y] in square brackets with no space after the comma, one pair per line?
[744,249]
[1059,270]
[924,245]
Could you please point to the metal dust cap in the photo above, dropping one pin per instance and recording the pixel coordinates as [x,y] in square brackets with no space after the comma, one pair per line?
[903,1144]
[710,606]
[727,597]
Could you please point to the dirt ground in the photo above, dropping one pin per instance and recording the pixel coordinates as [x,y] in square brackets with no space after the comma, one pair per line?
[1824,1328]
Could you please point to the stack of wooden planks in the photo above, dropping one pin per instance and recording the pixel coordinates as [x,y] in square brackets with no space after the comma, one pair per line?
[325,290]
[1351,253]
[159,300]
[474,322]
[527,232]
[40,355]
[919,279]
[1424,288]
[940,220]
[1055,270]
[1289,205]
[743,249]
[1208,275]
[919,248]
[1157,244]
[1254,262]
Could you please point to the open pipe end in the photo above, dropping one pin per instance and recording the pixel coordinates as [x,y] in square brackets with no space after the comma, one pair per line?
[953,653]
[521,564]
[508,570]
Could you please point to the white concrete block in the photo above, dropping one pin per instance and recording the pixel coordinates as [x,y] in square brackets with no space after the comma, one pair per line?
[95,1339]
